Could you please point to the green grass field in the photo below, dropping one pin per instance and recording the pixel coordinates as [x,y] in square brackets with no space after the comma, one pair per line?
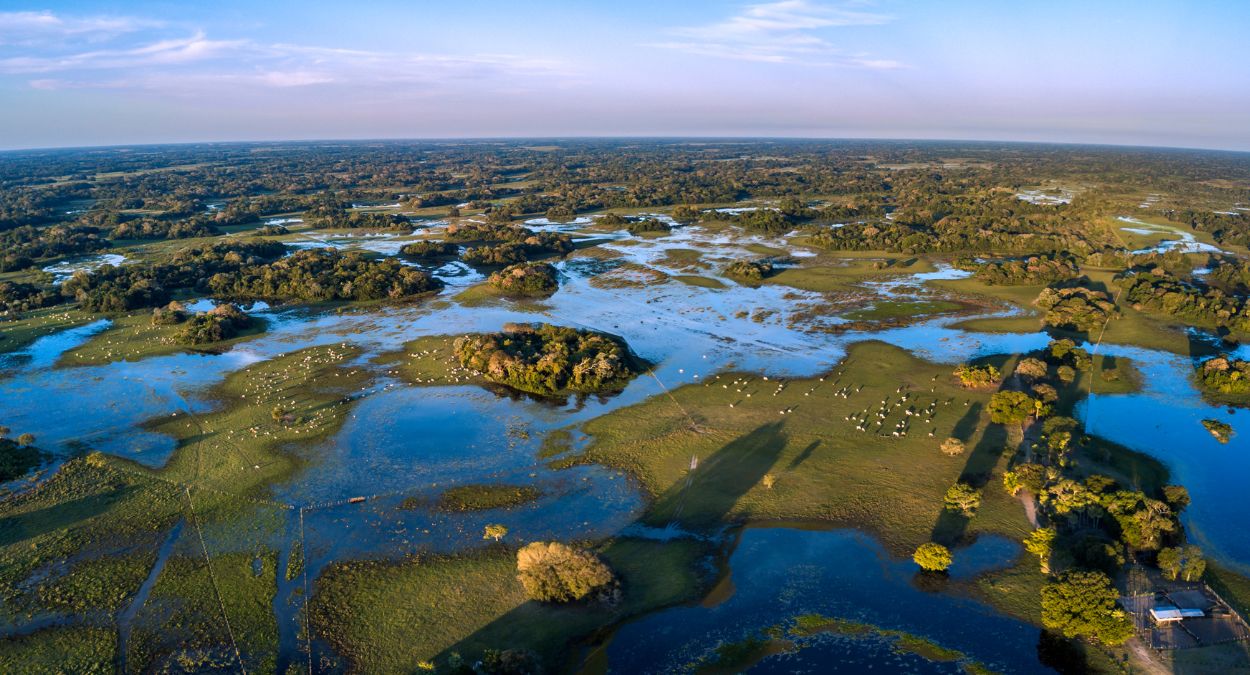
[392,617]
[133,336]
[16,334]
[819,466]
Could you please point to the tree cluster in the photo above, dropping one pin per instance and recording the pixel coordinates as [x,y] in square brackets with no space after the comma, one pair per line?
[1032,271]
[1225,375]
[1076,308]
[531,279]
[547,359]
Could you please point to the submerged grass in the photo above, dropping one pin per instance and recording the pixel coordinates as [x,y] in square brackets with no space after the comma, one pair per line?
[17,334]
[86,539]
[134,336]
[901,309]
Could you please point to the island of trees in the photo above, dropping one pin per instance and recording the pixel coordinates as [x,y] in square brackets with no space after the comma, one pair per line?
[547,359]
[526,279]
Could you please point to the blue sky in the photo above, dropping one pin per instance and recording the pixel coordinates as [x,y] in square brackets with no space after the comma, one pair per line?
[1153,73]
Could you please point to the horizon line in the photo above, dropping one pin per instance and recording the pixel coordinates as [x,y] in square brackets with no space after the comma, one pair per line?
[608,137]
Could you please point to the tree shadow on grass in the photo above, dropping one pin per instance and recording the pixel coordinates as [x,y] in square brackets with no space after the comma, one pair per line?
[967,424]
[14,529]
[709,493]
[802,456]
[951,526]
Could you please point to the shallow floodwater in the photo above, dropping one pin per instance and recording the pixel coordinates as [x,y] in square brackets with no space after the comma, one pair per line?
[66,269]
[779,574]
[403,445]
[1185,243]
[689,332]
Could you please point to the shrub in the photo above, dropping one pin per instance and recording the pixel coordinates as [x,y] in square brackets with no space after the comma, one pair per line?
[1011,407]
[972,376]
[648,225]
[519,250]
[172,314]
[1077,308]
[751,270]
[1031,368]
[953,446]
[1032,271]
[220,323]
[555,572]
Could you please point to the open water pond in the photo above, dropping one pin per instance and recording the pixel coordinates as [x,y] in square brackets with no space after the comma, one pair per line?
[777,575]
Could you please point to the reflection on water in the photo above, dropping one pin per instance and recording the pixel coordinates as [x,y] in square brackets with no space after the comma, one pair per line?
[780,574]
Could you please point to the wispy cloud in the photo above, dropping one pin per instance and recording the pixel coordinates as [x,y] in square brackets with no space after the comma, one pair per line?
[198,64]
[788,31]
[162,52]
[25,28]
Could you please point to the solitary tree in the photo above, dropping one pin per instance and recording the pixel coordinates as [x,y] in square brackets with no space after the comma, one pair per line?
[963,497]
[1083,604]
[495,531]
[932,557]
[554,572]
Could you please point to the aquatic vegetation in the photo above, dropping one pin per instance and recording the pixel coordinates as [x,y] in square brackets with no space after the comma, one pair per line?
[487,497]
[17,457]
[893,309]
[1222,431]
